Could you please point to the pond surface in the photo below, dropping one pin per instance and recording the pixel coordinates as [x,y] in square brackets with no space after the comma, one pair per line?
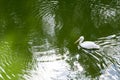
[37,39]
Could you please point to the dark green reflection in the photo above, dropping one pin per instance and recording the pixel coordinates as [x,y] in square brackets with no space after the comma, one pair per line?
[92,19]
[60,22]
[14,59]
[14,28]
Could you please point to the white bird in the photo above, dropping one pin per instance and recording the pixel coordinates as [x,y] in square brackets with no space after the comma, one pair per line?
[86,44]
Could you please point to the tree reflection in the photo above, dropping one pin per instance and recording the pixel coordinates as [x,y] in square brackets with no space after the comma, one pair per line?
[29,23]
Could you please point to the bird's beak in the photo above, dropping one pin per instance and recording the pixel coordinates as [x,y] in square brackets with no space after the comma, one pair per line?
[76,41]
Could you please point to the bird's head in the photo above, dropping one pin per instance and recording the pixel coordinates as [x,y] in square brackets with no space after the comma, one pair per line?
[80,39]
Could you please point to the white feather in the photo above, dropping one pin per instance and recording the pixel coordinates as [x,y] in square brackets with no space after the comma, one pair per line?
[87,44]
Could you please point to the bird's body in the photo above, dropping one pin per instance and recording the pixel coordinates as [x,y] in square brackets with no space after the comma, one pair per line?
[87,44]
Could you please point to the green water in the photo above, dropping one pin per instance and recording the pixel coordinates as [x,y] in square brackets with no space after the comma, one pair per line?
[37,39]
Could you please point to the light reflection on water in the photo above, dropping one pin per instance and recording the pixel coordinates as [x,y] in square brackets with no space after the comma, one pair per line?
[5,60]
[50,64]
[111,73]
[104,13]
[48,61]
[111,49]
[12,62]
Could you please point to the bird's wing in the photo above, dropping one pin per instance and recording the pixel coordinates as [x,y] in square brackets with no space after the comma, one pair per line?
[88,45]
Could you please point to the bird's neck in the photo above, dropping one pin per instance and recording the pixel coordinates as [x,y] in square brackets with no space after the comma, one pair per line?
[80,42]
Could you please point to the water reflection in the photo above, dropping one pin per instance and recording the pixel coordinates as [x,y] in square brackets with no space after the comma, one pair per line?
[101,61]
[50,28]
[105,15]
[50,64]
[112,72]
[111,50]
[44,8]
[83,64]
[12,63]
